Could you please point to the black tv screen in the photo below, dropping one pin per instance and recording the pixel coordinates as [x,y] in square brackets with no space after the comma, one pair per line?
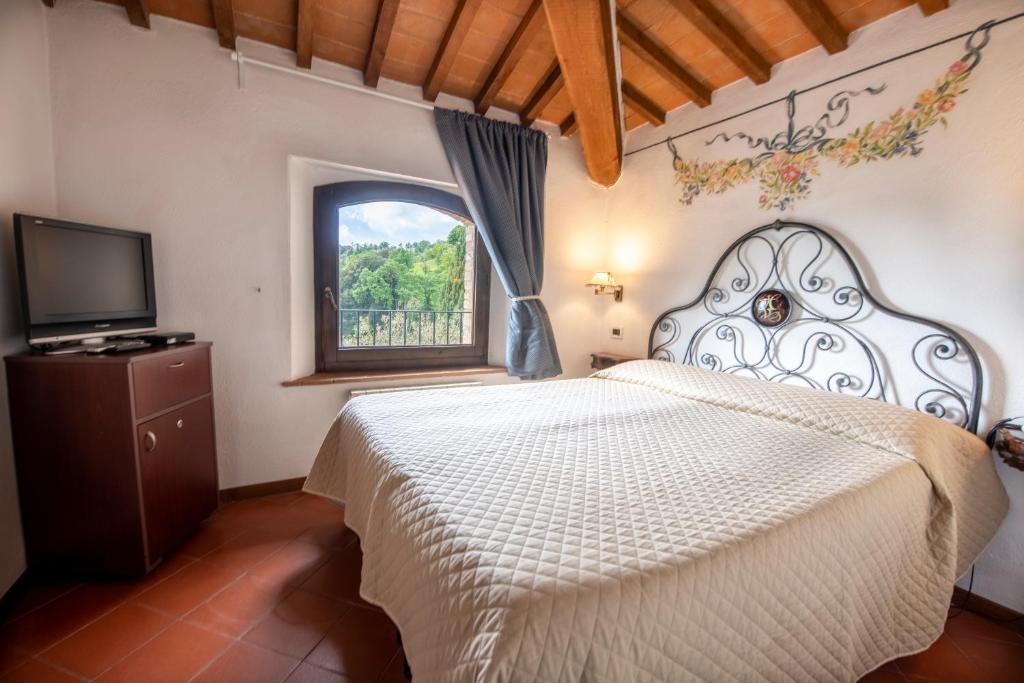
[80,281]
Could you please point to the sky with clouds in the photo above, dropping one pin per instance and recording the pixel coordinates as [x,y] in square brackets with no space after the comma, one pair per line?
[392,222]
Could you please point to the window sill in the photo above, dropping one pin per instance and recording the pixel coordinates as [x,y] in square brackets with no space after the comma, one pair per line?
[354,376]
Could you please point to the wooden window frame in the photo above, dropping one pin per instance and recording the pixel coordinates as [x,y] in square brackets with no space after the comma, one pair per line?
[327,200]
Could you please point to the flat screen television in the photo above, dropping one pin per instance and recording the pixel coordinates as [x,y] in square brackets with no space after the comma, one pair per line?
[83,281]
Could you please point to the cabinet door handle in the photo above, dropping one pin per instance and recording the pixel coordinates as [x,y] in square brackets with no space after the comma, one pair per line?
[149,442]
[179,364]
[180,423]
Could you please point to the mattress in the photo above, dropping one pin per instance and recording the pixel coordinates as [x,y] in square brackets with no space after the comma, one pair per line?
[657,522]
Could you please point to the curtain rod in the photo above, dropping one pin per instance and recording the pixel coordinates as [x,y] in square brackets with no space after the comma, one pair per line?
[242,60]
[822,84]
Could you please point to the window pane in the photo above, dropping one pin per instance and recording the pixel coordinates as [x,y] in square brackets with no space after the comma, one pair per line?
[405,276]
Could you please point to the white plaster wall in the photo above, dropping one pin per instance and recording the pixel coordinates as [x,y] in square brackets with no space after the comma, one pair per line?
[26,185]
[152,133]
[940,235]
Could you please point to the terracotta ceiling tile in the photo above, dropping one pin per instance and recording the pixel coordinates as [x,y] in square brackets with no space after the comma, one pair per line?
[862,14]
[278,11]
[339,53]
[193,11]
[256,28]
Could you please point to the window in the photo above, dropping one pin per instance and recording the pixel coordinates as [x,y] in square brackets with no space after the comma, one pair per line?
[402,279]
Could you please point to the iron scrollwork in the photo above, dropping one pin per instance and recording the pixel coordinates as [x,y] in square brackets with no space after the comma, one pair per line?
[769,311]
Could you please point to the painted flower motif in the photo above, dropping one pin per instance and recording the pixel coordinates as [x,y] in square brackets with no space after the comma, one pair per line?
[785,177]
[958,67]
[790,174]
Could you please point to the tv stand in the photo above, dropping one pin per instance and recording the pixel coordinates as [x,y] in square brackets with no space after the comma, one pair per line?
[115,456]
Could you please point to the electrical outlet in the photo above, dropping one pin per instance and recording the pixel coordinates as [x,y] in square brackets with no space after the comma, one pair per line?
[616,333]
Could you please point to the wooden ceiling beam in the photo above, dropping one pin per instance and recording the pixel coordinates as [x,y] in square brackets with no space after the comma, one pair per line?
[304,33]
[568,125]
[528,28]
[820,21]
[458,29]
[661,61]
[542,95]
[224,22]
[642,104]
[382,29]
[929,7]
[583,32]
[726,37]
[138,12]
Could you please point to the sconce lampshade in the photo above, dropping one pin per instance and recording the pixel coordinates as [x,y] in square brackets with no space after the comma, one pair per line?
[604,283]
[602,280]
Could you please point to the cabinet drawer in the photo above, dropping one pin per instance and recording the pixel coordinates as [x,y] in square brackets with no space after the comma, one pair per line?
[178,473]
[169,379]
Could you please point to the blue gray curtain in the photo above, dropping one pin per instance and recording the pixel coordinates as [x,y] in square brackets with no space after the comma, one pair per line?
[500,168]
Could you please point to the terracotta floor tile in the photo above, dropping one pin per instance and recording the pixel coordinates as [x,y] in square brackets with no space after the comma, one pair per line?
[244,663]
[41,628]
[291,564]
[246,549]
[307,673]
[34,671]
[38,595]
[943,661]
[166,569]
[882,676]
[188,588]
[177,654]
[238,607]
[997,660]
[339,577]
[330,535]
[298,623]
[394,672]
[209,537]
[974,626]
[108,640]
[10,658]
[359,647]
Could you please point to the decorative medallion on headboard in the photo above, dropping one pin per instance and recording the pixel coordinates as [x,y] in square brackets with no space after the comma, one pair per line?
[784,164]
[786,303]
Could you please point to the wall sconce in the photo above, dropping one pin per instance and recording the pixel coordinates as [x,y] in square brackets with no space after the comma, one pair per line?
[604,283]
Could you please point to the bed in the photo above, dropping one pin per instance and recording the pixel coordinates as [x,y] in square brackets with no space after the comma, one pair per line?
[714,517]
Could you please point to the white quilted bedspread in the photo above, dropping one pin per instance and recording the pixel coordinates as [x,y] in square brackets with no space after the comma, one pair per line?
[657,522]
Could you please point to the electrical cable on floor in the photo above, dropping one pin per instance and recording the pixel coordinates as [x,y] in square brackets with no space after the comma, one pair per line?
[962,607]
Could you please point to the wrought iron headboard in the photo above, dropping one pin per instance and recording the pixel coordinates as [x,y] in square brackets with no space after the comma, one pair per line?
[770,311]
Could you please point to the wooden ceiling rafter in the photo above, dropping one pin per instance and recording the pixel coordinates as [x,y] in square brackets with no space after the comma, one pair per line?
[583,32]
[719,30]
[821,22]
[568,126]
[542,95]
[224,22]
[633,38]
[455,34]
[929,7]
[382,30]
[304,33]
[642,105]
[138,12]
[527,30]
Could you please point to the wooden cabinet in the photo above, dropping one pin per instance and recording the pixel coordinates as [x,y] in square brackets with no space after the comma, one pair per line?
[116,456]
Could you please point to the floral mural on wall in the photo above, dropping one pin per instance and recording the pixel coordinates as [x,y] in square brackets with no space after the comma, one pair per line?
[793,158]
